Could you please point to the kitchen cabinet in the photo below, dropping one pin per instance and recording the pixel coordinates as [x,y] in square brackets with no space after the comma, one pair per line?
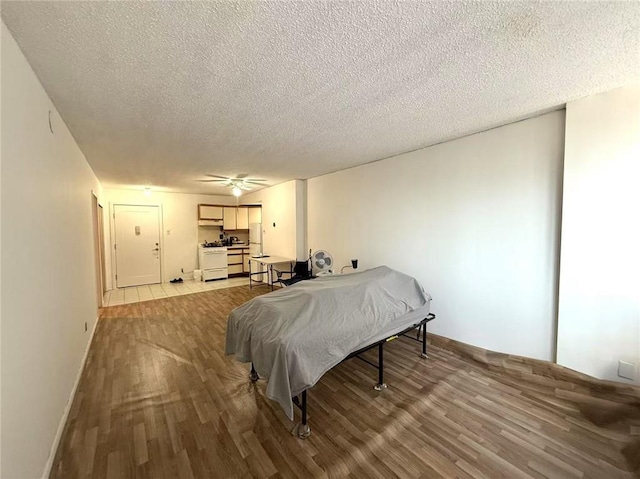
[229,218]
[255,214]
[242,218]
[235,269]
[235,261]
[238,260]
[209,212]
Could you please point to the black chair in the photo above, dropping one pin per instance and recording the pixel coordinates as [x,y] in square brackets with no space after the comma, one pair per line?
[301,271]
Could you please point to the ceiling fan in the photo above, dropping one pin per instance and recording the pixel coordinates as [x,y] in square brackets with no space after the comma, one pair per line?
[237,184]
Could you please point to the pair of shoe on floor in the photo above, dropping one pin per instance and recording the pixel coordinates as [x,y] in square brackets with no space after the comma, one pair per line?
[176,280]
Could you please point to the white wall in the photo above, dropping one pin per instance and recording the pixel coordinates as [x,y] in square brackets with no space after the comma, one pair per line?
[48,277]
[301,220]
[179,241]
[282,206]
[2,26]
[474,219]
[599,310]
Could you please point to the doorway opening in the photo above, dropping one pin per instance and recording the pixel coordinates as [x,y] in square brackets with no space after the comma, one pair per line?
[98,248]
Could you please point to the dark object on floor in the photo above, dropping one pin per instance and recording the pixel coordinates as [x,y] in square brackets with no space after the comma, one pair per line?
[301,271]
[176,280]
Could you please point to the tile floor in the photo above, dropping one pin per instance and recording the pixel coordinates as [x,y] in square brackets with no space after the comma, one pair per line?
[136,294]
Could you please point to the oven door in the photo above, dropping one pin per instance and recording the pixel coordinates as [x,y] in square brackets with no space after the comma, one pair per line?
[217,273]
[213,259]
[213,263]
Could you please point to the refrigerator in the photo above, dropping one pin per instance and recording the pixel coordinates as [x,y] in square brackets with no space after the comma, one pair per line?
[255,239]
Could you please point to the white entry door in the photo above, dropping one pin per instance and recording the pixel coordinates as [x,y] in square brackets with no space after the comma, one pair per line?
[137,247]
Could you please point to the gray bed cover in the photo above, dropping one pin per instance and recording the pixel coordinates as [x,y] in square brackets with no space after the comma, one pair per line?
[296,334]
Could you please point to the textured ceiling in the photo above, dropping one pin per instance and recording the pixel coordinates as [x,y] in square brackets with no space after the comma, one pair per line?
[165,92]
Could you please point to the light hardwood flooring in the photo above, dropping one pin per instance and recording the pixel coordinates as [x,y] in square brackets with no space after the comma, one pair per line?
[158,398]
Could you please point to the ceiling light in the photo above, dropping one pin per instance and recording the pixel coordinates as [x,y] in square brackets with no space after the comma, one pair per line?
[236,191]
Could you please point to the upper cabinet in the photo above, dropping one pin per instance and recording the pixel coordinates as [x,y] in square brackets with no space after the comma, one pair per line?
[255,214]
[242,218]
[209,215]
[230,220]
[229,217]
[209,212]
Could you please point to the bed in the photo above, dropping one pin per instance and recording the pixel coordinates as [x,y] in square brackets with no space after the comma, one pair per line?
[294,335]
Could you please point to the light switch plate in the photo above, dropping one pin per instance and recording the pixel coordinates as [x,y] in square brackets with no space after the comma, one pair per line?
[626,370]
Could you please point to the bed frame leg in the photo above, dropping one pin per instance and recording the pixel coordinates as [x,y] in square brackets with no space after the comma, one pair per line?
[424,342]
[253,375]
[302,429]
[381,385]
[304,407]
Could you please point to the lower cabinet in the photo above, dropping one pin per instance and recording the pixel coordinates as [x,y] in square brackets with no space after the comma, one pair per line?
[235,269]
[238,260]
[234,261]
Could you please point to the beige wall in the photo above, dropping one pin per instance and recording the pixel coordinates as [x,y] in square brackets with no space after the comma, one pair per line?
[599,313]
[2,26]
[179,240]
[476,220]
[283,218]
[48,277]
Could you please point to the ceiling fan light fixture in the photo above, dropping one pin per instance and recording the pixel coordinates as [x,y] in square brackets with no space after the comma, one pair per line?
[236,191]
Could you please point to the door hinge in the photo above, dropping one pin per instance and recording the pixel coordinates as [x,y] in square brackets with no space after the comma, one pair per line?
[115,246]
[116,276]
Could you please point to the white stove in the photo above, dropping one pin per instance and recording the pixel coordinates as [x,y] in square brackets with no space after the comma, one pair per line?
[213,262]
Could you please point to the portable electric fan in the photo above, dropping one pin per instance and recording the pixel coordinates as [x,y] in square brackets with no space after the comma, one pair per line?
[321,263]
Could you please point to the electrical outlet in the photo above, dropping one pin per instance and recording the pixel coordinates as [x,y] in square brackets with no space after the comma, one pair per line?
[626,370]
[85,325]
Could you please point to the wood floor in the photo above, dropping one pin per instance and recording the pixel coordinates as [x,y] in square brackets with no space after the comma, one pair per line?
[158,398]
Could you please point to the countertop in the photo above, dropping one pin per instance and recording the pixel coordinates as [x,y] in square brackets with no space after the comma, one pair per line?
[238,246]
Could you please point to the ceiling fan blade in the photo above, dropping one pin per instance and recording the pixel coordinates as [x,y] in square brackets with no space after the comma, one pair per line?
[241,181]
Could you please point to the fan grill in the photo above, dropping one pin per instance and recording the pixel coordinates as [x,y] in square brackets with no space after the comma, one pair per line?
[322,261]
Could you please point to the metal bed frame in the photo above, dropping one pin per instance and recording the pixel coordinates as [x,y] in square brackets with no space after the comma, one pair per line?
[302,429]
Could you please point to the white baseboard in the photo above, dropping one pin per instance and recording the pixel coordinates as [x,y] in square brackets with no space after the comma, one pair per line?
[67,409]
